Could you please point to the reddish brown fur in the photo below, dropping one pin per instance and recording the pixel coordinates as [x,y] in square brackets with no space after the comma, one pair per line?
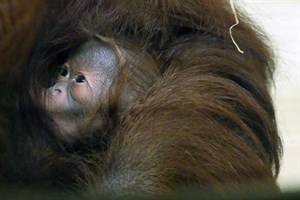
[208,122]
[17,25]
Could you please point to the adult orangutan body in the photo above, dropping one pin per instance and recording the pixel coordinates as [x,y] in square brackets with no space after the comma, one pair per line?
[174,103]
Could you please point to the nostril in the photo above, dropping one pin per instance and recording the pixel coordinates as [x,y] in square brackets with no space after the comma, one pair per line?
[57,91]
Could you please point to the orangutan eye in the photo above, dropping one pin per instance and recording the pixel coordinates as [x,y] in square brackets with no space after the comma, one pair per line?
[63,72]
[80,78]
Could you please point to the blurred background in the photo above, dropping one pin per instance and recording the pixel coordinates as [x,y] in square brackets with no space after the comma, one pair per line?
[280,19]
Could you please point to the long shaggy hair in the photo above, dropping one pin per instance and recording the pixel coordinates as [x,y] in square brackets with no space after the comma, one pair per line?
[208,120]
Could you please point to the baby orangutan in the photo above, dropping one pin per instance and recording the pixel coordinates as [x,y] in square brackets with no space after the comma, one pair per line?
[95,80]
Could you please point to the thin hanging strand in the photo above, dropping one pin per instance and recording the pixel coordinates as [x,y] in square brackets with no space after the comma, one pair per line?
[236,23]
